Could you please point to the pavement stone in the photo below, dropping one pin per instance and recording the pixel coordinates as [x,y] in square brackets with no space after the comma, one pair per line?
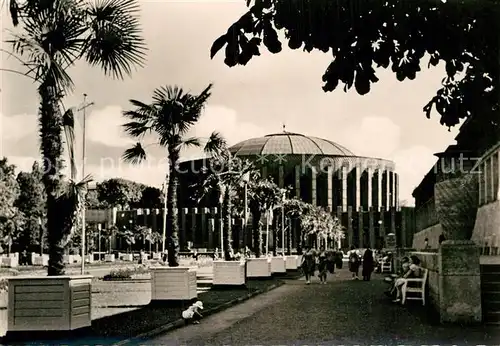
[343,312]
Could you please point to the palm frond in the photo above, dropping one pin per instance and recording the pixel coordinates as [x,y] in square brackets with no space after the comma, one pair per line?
[137,129]
[216,145]
[191,142]
[115,41]
[134,155]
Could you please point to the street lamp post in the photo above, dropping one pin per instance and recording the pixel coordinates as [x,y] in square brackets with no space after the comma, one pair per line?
[283,222]
[84,109]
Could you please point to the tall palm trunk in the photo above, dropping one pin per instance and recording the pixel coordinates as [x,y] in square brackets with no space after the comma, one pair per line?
[227,228]
[52,150]
[172,212]
[257,232]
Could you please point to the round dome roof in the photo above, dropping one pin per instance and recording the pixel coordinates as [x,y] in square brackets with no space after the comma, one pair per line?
[289,143]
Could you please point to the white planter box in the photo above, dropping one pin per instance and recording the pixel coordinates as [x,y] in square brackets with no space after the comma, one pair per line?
[4,299]
[41,260]
[259,267]
[299,260]
[10,262]
[127,257]
[89,258]
[109,258]
[278,264]
[229,273]
[47,303]
[292,262]
[157,256]
[77,259]
[68,259]
[173,283]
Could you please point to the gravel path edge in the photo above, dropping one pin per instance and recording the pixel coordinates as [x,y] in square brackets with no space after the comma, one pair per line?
[180,322]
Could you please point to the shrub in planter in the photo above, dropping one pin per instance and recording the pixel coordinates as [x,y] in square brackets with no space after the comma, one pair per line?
[118,275]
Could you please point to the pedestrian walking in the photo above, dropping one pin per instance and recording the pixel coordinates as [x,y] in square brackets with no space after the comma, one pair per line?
[330,261]
[354,263]
[339,259]
[368,264]
[308,264]
[322,258]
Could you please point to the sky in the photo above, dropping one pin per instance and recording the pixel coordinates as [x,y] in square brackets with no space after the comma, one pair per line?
[248,101]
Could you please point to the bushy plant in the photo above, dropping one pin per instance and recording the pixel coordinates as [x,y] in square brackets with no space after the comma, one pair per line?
[119,274]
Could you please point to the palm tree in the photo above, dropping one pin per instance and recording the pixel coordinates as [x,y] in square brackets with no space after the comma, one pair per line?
[263,196]
[225,175]
[169,117]
[52,36]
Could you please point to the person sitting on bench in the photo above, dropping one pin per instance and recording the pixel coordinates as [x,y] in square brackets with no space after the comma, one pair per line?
[414,271]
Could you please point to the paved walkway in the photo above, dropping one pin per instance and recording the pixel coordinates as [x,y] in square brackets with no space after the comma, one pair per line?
[343,312]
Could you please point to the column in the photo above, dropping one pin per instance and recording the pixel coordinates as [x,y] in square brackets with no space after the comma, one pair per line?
[349,226]
[396,191]
[194,211]
[183,239]
[498,175]
[344,190]
[358,187]
[313,186]
[211,229]
[339,215]
[281,176]
[394,196]
[387,197]
[492,177]
[393,222]
[371,227]
[404,238]
[486,181]
[330,188]
[264,172]
[297,181]
[361,230]
[370,192]
[480,184]
[379,189]
[381,223]
[204,212]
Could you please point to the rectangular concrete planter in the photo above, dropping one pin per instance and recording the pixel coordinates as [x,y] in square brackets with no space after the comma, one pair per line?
[127,257]
[229,273]
[10,262]
[49,303]
[278,264]
[157,256]
[89,258]
[109,258]
[41,260]
[68,259]
[258,267]
[173,283]
[292,262]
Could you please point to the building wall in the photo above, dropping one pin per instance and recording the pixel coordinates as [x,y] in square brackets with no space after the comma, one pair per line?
[202,226]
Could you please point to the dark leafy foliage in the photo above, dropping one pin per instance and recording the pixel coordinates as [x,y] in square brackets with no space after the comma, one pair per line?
[396,34]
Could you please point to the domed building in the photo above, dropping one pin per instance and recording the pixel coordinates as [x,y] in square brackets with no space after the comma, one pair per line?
[361,191]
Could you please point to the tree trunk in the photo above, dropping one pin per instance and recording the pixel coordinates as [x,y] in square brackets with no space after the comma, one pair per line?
[227,228]
[50,121]
[172,213]
[257,233]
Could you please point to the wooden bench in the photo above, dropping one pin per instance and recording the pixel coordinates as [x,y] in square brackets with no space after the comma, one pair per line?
[386,267]
[417,287]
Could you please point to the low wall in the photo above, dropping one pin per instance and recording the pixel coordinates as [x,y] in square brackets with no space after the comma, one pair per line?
[453,281]
[431,233]
[430,261]
[486,232]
